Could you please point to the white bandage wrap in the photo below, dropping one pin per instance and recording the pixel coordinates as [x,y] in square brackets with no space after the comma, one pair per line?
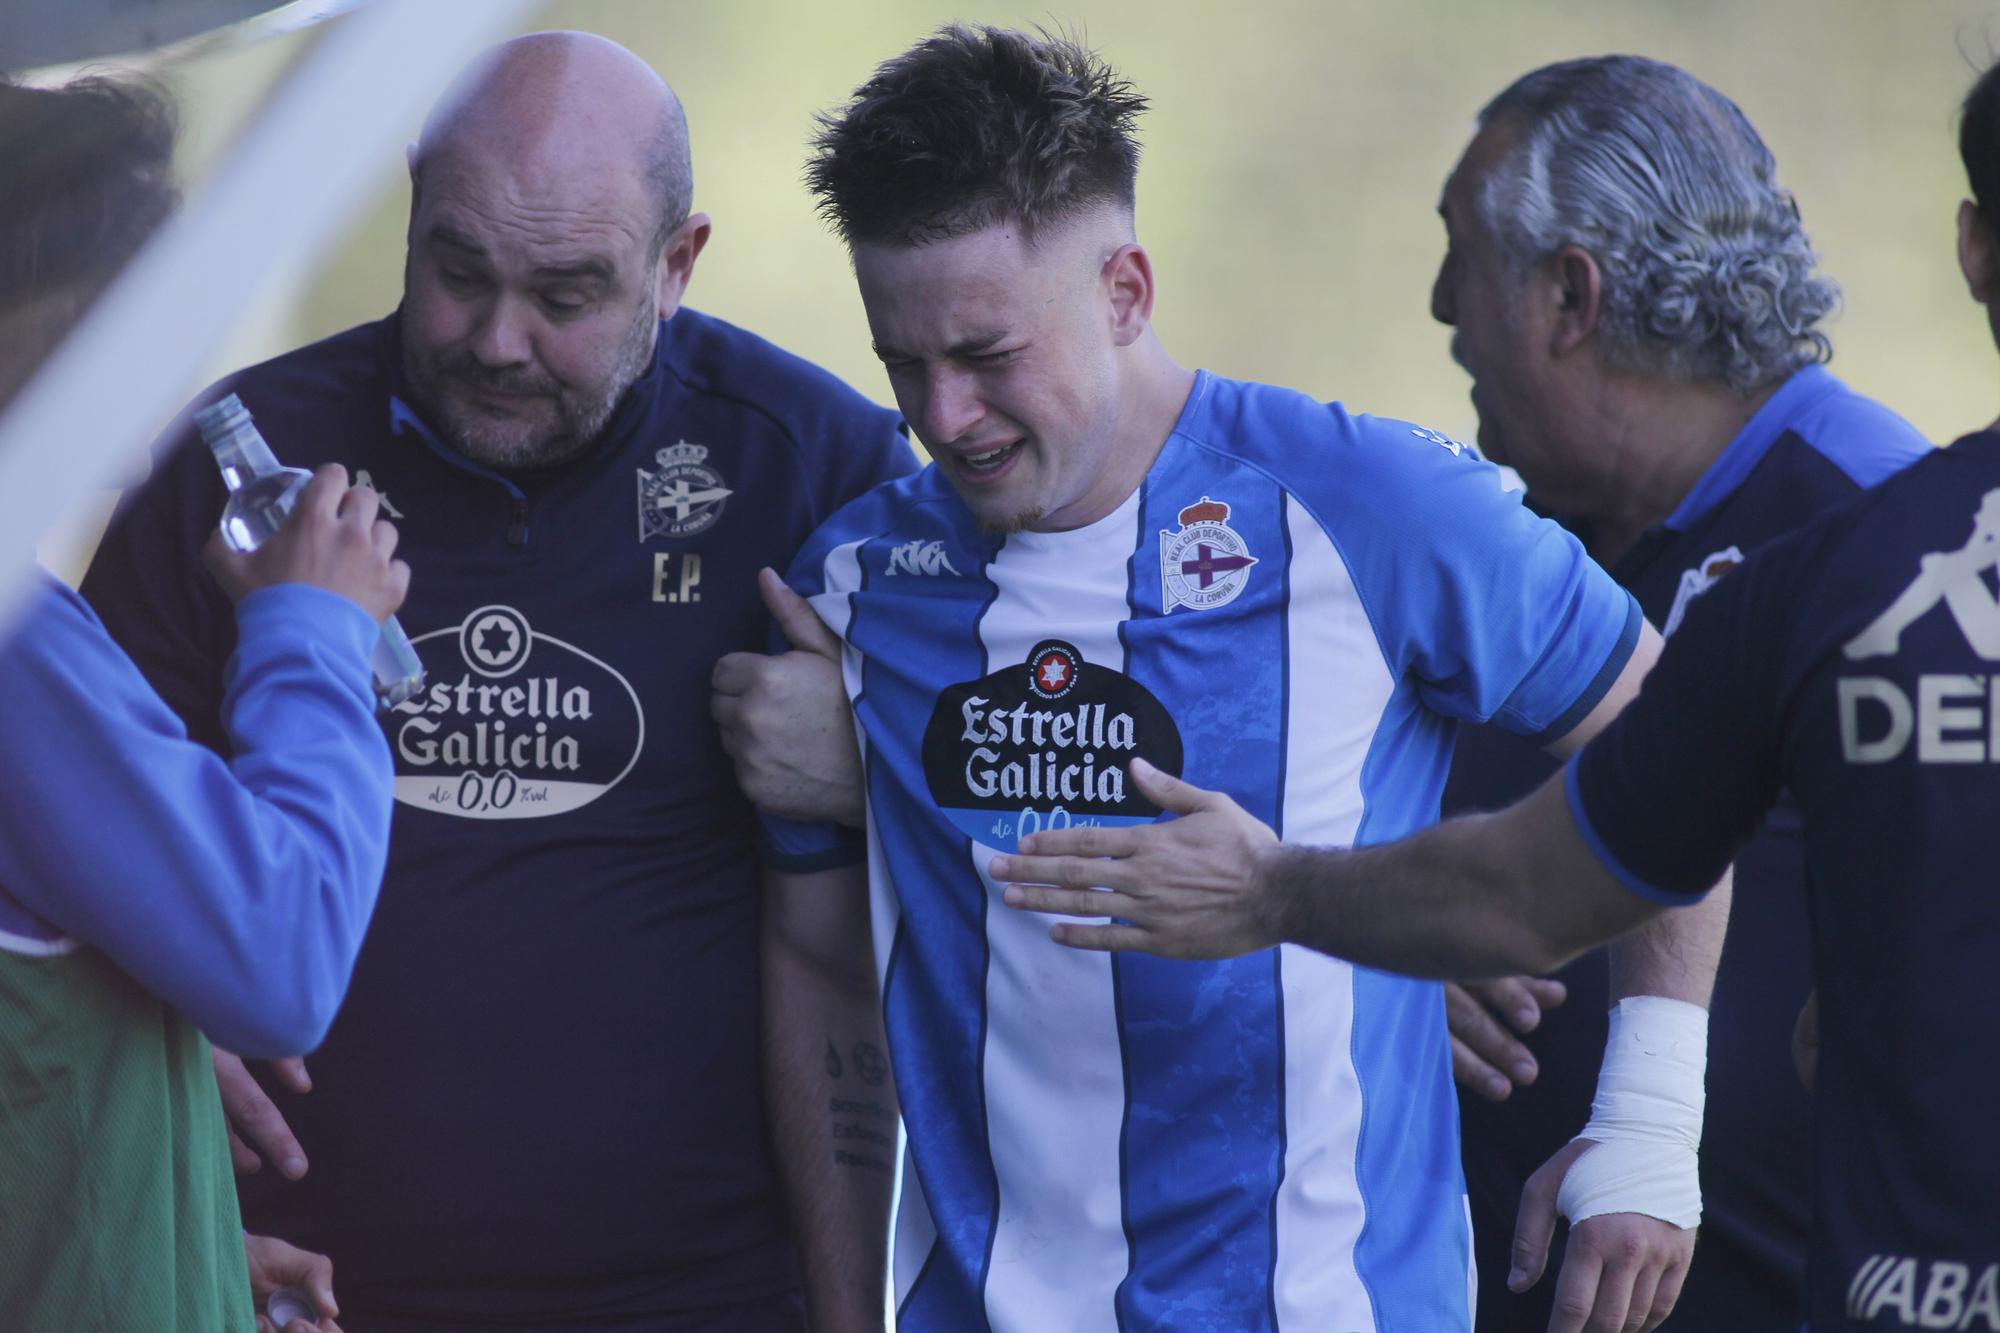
[1646,1117]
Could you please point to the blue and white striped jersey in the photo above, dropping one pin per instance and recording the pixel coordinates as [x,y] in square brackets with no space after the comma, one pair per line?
[1295,607]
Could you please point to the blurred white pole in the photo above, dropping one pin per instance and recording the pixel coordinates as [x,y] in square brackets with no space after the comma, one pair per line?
[294,181]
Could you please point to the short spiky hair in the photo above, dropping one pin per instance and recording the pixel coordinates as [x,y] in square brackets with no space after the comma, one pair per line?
[974,126]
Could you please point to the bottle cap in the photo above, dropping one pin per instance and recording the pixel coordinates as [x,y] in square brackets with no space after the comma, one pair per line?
[288,1303]
[218,418]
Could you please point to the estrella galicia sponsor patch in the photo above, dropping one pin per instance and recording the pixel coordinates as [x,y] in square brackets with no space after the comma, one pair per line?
[511,723]
[684,497]
[1204,563]
[1045,744]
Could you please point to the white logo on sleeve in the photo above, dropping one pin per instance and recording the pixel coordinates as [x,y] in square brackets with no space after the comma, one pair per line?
[920,557]
[1696,581]
[1442,441]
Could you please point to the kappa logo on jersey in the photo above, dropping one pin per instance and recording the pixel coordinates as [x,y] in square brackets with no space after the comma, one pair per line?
[1203,564]
[1696,581]
[362,478]
[1918,1293]
[1444,442]
[1950,717]
[1044,744]
[1954,578]
[920,557]
[485,739]
[684,497]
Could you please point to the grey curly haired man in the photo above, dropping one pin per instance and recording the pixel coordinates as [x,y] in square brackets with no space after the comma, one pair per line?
[1637,301]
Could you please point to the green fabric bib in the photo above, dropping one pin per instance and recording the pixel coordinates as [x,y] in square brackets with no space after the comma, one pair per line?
[117,1203]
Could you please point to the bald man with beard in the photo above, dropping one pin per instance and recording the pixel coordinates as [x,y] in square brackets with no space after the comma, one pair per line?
[539,1107]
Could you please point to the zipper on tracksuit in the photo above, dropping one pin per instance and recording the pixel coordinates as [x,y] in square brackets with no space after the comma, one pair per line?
[402,419]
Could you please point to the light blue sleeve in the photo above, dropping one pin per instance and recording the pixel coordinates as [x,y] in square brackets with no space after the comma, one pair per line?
[1496,614]
[237,891]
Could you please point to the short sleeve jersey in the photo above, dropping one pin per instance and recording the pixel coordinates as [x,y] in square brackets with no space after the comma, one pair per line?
[551,1033]
[1853,665]
[1297,607]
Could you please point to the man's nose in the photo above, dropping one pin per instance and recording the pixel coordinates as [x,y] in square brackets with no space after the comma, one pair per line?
[1444,308]
[502,337]
[952,405]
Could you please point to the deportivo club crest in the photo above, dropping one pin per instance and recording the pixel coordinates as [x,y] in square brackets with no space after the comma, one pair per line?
[1204,564]
[684,497]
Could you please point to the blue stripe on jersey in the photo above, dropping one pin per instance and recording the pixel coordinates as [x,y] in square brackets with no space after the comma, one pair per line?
[1413,1265]
[1408,1155]
[1278,827]
[1600,684]
[1204,1041]
[943,957]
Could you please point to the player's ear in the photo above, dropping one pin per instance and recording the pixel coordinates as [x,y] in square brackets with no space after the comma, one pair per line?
[1978,253]
[676,263]
[1577,291]
[1128,283]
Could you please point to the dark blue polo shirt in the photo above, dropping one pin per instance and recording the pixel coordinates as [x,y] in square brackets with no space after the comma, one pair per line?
[1853,665]
[1813,445]
[540,1103]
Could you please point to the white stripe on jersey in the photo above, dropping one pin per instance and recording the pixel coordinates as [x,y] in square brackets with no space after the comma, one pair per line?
[913,1230]
[1339,686]
[842,574]
[1059,1251]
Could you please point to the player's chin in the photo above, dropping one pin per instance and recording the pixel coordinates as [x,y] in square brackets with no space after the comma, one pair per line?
[1002,520]
[505,444]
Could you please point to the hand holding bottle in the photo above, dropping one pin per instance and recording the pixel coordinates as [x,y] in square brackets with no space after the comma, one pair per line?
[261,493]
[332,539]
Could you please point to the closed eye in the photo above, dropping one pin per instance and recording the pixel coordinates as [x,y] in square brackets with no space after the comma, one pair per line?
[564,303]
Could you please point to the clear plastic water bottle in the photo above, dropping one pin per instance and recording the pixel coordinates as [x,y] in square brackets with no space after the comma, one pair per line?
[261,493]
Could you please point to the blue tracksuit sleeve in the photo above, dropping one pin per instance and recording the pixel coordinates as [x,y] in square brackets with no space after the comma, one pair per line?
[237,891]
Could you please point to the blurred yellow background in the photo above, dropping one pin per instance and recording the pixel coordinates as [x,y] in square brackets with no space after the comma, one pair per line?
[1294,154]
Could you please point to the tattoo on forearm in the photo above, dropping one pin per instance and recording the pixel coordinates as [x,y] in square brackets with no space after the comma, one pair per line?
[864,1129]
[870,1064]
